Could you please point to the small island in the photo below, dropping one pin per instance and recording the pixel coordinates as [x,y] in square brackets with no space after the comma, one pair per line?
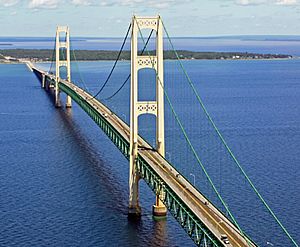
[47,55]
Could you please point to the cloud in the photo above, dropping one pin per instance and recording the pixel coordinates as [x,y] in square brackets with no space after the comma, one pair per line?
[132,3]
[286,2]
[8,3]
[52,4]
[152,3]
[250,2]
[156,4]
[259,2]
[43,4]
[81,2]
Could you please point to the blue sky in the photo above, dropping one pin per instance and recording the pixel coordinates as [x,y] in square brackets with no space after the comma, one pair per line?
[110,18]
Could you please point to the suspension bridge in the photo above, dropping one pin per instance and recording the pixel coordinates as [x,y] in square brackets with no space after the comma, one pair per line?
[200,208]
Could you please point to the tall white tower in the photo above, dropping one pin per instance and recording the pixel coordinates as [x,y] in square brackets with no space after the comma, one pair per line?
[145,107]
[60,63]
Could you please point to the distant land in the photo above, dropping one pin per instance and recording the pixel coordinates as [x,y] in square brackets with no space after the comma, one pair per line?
[45,55]
[260,44]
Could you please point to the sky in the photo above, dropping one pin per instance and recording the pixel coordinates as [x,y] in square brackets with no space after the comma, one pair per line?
[182,18]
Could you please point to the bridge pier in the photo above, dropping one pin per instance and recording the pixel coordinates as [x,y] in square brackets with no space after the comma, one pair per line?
[159,210]
[57,98]
[43,80]
[134,209]
[68,102]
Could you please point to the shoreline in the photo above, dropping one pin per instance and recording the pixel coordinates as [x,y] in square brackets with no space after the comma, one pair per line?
[188,59]
[204,59]
[46,55]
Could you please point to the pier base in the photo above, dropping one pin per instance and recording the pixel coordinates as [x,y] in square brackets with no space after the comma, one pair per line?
[69,102]
[57,104]
[159,210]
[43,80]
[134,212]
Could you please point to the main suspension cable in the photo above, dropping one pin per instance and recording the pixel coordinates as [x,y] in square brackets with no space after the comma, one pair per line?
[79,73]
[226,145]
[114,66]
[128,77]
[52,57]
[193,149]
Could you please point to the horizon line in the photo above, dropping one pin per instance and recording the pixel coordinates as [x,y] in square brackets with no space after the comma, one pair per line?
[201,36]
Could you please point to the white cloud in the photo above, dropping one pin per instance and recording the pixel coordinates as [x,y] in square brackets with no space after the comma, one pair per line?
[274,2]
[286,2]
[52,4]
[157,4]
[81,2]
[43,4]
[151,3]
[132,3]
[245,2]
[250,2]
[8,3]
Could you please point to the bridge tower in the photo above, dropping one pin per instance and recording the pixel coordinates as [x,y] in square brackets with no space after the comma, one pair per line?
[62,63]
[145,107]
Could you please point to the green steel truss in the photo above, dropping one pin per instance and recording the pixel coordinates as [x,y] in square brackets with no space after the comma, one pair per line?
[187,219]
[193,226]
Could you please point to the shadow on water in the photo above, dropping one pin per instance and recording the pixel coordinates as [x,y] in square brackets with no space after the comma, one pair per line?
[135,226]
[158,236]
[95,164]
[159,233]
[137,229]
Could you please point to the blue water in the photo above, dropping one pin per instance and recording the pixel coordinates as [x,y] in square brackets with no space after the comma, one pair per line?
[259,44]
[62,182]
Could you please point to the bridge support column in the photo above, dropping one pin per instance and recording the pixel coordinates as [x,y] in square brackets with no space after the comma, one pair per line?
[159,209]
[68,102]
[134,209]
[62,60]
[43,80]
[146,107]
[57,96]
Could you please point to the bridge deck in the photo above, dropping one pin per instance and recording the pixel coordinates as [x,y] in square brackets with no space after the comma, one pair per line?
[213,219]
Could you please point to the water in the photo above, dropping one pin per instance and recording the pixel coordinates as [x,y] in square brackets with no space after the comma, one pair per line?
[258,44]
[62,182]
